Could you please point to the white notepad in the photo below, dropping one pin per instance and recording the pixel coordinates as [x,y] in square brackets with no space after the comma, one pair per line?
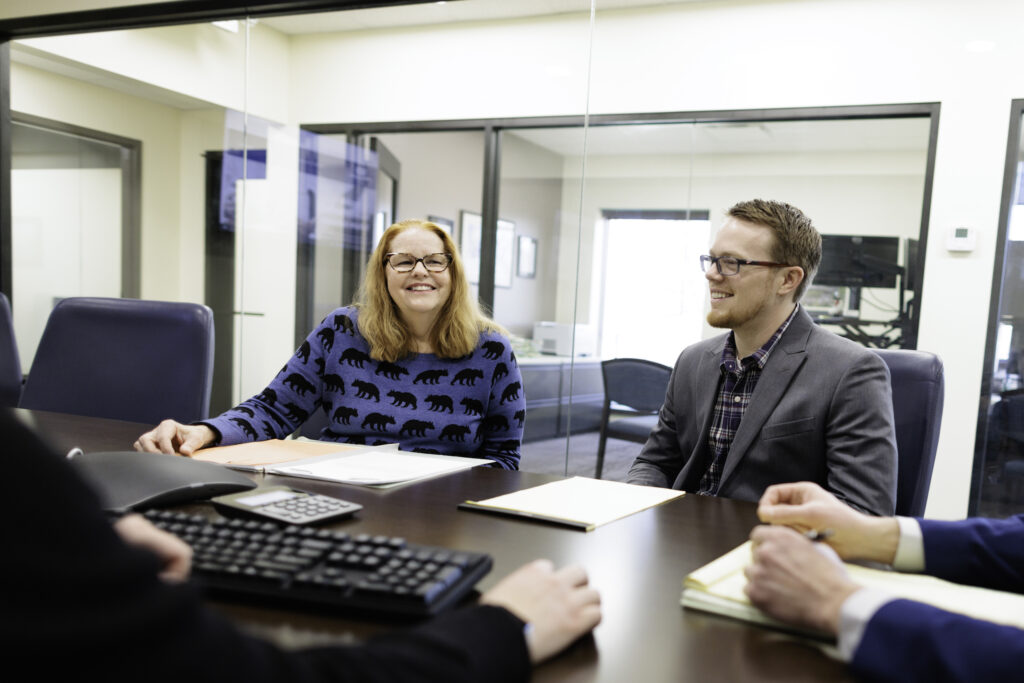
[579,502]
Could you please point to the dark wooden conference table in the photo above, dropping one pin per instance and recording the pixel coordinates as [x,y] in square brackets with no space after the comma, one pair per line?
[638,563]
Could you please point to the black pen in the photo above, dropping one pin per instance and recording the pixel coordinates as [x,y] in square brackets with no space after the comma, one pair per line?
[818,536]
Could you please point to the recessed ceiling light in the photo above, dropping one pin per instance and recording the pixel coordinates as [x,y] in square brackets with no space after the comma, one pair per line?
[228,25]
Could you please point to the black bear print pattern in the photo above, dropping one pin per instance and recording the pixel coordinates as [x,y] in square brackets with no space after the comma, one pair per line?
[402,399]
[343,323]
[343,414]
[334,382]
[390,370]
[473,405]
[378,422]
[439,403]
[299,384]
[366,390]
[430,376]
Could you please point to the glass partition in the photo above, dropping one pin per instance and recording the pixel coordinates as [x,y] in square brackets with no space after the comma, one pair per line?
[259,197]
[998,478]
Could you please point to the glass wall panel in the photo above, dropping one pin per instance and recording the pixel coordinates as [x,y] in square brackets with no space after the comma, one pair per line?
[652,194]
[258,198]
[67,223]
[999,469]
[146,110]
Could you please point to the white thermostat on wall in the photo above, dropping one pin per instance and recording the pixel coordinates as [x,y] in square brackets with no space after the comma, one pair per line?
[961,239]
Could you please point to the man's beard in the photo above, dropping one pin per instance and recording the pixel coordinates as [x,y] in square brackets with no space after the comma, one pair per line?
[731,319]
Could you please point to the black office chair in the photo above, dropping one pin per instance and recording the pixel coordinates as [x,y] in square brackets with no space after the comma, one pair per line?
[918,390]
[10,362]
[637,387]
[125,359]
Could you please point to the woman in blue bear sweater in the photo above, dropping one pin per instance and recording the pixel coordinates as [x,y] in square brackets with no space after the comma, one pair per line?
[413,362]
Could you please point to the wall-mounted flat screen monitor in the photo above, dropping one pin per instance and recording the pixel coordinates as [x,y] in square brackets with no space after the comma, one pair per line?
[858,261]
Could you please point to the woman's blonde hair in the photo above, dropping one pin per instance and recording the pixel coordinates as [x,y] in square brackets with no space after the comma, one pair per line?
[459,323]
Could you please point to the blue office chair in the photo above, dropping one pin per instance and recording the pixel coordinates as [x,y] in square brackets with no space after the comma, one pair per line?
[125,359]
[918,390]
[10,362]
[637,387]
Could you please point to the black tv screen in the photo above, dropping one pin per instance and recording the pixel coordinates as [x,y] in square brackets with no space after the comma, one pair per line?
[858,261]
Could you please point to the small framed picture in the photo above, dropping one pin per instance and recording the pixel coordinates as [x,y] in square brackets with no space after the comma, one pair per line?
[526,265]
[504,253]
[446,223]
[469,244]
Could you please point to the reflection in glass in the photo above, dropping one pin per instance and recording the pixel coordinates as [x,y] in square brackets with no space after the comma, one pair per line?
[67,224]
[221,118]
[1001,491]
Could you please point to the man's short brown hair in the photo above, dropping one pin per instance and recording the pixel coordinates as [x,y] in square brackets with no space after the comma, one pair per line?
[797,242]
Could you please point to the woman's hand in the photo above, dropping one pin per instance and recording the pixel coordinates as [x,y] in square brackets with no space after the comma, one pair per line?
[175,438]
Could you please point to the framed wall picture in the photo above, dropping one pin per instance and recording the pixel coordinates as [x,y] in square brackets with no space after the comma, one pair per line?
[526,265]
[469,245]
[446,223]
[504,254]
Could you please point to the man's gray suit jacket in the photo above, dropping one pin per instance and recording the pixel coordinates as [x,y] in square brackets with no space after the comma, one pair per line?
[821,412]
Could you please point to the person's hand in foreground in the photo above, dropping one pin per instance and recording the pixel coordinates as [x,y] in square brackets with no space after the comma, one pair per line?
[854,535]
[796,580]
[559,606]
[174,554]
[173,437]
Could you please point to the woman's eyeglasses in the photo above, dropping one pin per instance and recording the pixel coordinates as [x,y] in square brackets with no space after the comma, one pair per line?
[403,263]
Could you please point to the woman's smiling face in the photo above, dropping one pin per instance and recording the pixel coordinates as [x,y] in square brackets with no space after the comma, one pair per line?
[418,293]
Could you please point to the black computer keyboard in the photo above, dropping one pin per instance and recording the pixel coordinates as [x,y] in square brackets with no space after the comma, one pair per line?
[323,568]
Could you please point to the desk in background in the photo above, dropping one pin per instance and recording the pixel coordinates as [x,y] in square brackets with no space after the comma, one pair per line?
[549,399]
[637,563]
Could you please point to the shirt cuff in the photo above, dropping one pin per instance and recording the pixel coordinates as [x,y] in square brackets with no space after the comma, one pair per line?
[910,549]
[854,615]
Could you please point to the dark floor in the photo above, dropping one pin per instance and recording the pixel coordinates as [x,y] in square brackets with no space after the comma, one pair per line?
[549,456]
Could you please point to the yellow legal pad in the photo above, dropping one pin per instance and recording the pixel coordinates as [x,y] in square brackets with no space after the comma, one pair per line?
[717,587]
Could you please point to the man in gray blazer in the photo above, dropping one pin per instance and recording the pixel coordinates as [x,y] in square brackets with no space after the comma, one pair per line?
[777,399]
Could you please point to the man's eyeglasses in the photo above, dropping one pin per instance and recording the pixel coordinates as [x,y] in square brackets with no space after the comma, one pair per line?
[403,263]
[727,265]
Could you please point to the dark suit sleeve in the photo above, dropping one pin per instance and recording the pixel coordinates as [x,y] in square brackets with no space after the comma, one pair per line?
[660,461]
[79,604]
[978,551]
[909,641]
[860,441]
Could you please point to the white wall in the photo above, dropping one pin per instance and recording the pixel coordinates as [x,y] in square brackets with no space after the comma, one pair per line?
[198,61]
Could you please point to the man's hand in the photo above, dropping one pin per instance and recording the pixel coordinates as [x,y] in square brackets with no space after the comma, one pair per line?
[805,506]
[174,553]
[558,605]
[173,437]
[797,581]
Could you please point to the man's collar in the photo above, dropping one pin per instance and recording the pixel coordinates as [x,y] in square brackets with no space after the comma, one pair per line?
[760,356]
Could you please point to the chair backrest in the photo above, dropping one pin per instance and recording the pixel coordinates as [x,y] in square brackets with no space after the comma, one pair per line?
[10,362]
[636,383]
[125,359]
[918,391]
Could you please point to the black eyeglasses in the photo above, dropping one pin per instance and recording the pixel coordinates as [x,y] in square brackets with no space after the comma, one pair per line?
[727,265]
[403,263]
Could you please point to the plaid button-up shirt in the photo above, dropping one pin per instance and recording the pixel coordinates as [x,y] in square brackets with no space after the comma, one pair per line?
[735,387]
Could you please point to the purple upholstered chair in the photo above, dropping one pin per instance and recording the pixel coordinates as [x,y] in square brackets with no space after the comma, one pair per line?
[126,359]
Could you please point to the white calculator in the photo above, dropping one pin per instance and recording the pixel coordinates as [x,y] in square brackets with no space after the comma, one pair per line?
[285,504]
